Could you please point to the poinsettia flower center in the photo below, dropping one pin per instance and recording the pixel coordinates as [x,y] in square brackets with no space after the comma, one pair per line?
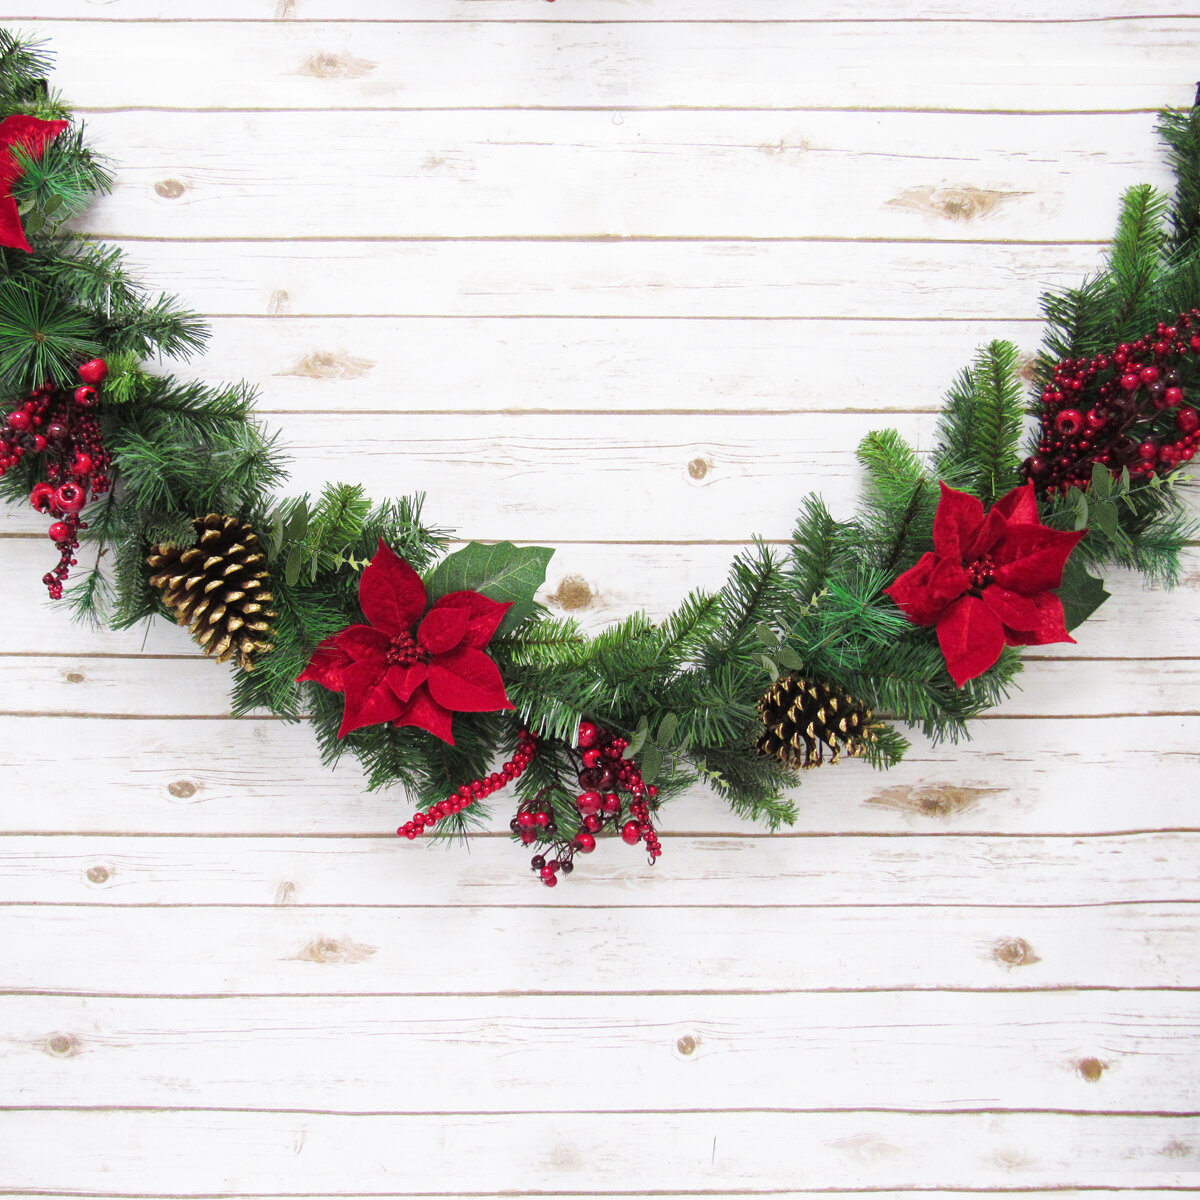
[981,571]
[404,651]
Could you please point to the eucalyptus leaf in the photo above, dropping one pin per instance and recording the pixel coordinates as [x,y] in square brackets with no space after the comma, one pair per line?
[291,571]
[502,572]
[652,761]
[666,731]
[772,669]
[1125,479]
[52,205]
[790,659]
[766,635]
[1102,482]
[1104,515]
[297,523]
[34,222]
[638,740]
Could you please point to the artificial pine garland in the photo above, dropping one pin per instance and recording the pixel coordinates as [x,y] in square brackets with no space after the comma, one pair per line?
[431,667]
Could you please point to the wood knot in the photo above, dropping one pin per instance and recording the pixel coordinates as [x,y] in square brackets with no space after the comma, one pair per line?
[686,1045]
[170,189]
[573,593]
[1015,952]
[699,467]
[1091,1068]
[331,950]
[324,65]
[61,1045]
[75,677]
[953,204]
[279,303]
[325,364]
[182,789]
[98,875]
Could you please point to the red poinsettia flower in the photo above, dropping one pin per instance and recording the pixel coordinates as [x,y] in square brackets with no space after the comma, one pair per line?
[989,581]
[31,134]
[409,666]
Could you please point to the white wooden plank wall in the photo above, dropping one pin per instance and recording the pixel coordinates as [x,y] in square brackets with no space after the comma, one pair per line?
[629,277]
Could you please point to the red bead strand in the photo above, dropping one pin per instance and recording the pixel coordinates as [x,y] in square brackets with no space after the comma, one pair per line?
[477,789]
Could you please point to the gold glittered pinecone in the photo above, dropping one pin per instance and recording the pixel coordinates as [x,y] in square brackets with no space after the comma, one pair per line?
[219,588]
[803,717]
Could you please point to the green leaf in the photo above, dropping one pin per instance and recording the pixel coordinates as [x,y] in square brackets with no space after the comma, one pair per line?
[1102,481]
[295,560]
[666,731]
[790,659]
[1104,515]
[652,761]
[52,205]
[34,222]
[1125,479]
[638,740]
[766,635]
[503,572]
[1081,594]
[769,663]
[297,524]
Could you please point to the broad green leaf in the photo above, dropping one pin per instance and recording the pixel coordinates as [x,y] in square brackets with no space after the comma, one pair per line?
[1104,515]
[666,731]
[1081,594]
[652,761]
[502,572]
[1102,481]
[52,205]
[772,669]
[297,523]
[790,659]
[766,635]
[638,740]
[34,222]
[1125,479]
[295,560]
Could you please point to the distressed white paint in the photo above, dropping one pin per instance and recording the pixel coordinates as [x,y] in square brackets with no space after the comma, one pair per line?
[628,277]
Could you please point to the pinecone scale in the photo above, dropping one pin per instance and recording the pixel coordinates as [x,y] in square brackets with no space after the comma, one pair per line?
[803,718]
[219,588]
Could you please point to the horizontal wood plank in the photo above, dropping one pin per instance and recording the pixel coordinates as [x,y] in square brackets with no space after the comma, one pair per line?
[1069,66]
[599,948]
[189,1153]
[386,12]
[1064,777]
[134,686]
[1094,1051]
[780,870]
[614,278]
[674,174]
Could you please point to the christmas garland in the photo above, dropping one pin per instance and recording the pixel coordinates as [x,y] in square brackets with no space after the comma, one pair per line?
[429,666]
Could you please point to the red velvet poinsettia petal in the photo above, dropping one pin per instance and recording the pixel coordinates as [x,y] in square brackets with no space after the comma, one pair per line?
[443,628]
[369,699]
[405,680]
[31,134]
[483,615]
[925,589]
[364,642]
[1031,557]
[987,537]
[956,522]
[12,234]
[1019,507]
[425,712]
[390,592]
[466,680]
[971,637]
[1051,625]
[326,665]
[1014,610]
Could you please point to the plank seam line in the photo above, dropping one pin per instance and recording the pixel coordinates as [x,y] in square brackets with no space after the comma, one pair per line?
[392,1194]
[42,714]
[681,836]
[534,22]
[172,906]
[658,993]
[1100,1114]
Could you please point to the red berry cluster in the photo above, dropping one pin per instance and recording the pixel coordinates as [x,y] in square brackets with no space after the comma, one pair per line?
[63,427]
[476,790]
[1120,409]
[604,773]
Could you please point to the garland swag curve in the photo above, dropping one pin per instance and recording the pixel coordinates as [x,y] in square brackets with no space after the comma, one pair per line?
[428,666]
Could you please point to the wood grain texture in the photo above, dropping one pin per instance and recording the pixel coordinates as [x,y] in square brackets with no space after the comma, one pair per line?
[567,950]
[870,1051]
[653,174]
[977,66]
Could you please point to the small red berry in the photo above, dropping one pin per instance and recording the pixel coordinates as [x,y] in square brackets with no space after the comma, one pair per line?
[58,532]
[94,371]
[586,843]
[631,833]
[587,735]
